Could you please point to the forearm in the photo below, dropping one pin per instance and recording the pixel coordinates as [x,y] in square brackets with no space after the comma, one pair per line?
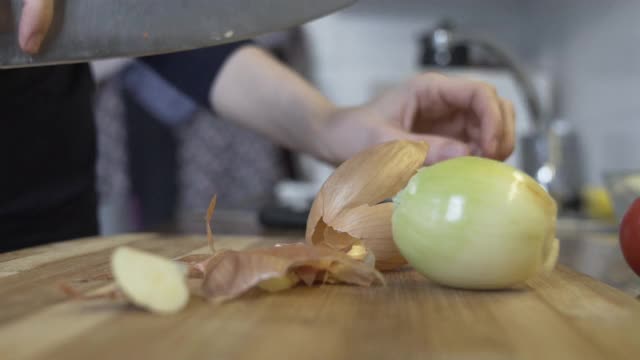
[254,90]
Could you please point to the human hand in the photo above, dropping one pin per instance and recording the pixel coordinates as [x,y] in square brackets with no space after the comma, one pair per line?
[34,24]
[456,116]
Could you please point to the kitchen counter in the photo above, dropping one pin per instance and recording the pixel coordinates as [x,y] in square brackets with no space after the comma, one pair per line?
[566,314]
[591,247]
[563,315]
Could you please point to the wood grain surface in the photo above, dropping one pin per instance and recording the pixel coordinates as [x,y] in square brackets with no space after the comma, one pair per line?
[562,316]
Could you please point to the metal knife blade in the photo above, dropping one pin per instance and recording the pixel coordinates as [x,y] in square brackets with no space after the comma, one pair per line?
[94,29]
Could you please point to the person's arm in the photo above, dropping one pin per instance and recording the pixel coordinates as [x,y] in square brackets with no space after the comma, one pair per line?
[455,116]
[256,91]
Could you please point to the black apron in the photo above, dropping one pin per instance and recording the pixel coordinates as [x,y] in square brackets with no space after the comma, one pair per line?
[47,155]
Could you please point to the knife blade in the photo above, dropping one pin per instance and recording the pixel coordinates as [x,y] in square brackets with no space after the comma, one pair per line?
[85,30]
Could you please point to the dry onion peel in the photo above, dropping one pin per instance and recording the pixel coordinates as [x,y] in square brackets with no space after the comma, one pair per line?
[210,210]
[348,208]
[194,264]
[371,224]
[229,274]
[161,285]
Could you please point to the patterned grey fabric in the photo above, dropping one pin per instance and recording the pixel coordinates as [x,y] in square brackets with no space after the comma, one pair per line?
[218,157]
[214,155]
[111,167]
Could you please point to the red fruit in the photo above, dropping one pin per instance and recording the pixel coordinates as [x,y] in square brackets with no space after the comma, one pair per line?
[630,236]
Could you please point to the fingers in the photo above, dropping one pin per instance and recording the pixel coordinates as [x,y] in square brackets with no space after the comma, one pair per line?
[479,98]
[34,24]
[507,142]
[481,101]
[440,148]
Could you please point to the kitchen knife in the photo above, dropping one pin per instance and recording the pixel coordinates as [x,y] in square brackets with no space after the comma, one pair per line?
[93,29]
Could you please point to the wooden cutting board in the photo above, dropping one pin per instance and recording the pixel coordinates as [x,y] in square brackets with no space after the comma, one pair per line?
[563,316]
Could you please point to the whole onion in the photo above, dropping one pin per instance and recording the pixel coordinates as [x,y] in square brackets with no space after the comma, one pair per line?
[475,223]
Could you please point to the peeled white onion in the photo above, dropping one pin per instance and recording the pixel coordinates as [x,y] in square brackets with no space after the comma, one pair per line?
[475,223]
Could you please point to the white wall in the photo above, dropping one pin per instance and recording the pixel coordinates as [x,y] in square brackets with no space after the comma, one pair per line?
[599,55]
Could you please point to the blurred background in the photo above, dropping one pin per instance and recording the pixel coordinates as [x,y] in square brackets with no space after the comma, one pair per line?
[572,69]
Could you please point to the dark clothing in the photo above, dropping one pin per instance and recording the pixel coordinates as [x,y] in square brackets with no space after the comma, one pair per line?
[193,72]
[47,154]
[48,143]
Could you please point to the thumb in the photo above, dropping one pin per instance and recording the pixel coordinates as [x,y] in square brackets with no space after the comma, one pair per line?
[34,24]
[441,148]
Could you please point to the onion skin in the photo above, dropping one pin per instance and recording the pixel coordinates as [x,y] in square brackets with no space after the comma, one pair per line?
[475,223]
[348,208]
